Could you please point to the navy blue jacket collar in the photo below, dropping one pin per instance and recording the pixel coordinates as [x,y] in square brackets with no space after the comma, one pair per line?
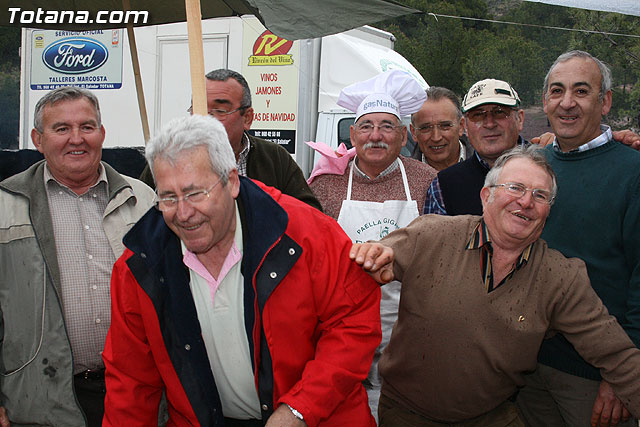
[158,268]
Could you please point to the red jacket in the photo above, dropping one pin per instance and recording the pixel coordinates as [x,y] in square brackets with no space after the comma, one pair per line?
[312,327]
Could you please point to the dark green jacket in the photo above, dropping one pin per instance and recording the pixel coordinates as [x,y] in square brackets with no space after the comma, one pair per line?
[273,165]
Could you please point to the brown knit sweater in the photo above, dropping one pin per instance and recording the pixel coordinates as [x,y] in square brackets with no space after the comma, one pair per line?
[331,190]
[457,351]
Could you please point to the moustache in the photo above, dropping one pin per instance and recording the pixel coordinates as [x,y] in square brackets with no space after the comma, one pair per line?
[376,145]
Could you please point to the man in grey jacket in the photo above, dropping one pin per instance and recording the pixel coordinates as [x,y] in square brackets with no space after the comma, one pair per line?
[61,228]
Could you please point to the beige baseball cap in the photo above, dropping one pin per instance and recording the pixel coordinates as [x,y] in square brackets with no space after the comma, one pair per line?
[490,91]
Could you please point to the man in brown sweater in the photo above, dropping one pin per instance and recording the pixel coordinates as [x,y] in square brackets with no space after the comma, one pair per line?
[479,295]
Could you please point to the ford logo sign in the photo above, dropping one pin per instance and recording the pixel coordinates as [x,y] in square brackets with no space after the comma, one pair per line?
[75,55]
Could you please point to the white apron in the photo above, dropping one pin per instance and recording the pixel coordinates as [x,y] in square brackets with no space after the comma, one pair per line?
[364,221]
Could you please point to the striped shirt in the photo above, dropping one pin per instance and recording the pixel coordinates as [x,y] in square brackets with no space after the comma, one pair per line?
[85,259]
[601,139]
[480,239]
[393,166]
[435,201]
[241,164]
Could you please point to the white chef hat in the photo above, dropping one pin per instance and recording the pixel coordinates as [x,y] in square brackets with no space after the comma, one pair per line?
[394,92]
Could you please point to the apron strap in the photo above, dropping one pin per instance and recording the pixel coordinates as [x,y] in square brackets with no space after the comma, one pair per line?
[404,180]
[350,179]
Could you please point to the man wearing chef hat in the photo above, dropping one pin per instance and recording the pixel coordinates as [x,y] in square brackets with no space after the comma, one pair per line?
[380,190]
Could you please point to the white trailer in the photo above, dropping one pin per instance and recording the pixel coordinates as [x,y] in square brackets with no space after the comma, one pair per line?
[294,85]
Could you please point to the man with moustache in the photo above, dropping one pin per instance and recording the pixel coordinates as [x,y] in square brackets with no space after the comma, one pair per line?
[380,190]
[596,218]
[378,172]
[438,128]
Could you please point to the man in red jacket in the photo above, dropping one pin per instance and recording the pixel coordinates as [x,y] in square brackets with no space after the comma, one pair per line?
[238,301]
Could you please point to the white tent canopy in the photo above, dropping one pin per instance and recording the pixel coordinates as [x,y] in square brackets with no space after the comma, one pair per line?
[291,19]
[626,7]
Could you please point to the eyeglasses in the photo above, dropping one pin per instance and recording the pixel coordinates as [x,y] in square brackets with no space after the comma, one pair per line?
[219,113]
[428,129]
[498,113]
[385,128]
[166,204]
[518,190]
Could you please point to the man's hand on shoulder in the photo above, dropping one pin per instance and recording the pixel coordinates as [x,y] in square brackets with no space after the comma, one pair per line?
[4,419]
[544,139]
[608,410]
[628,137]
[376,259]
[283,417]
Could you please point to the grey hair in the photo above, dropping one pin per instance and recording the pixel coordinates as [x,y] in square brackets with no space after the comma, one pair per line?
[531,152]
[187,133]
[436,93]
[64,93]
[605,71]
[223,74]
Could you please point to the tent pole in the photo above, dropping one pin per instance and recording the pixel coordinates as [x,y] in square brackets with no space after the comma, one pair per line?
[196,57]
[136,75]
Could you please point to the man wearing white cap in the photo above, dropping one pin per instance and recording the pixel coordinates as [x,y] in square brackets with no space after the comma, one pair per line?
[379,191]
[493,121]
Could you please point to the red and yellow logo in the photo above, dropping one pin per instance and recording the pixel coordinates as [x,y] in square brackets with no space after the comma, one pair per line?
[270,49]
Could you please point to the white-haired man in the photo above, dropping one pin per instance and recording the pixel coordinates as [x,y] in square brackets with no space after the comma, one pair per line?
[466,336]
[238,301]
